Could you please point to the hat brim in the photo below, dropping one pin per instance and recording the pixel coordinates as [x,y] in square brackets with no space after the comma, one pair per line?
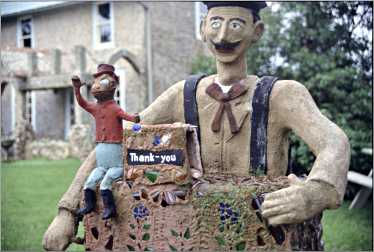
[103,72]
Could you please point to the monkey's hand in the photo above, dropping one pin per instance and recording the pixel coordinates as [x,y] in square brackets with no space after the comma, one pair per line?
[76,81]
[299,202]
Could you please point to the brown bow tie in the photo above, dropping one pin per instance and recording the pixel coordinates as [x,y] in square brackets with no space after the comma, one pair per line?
[214,91]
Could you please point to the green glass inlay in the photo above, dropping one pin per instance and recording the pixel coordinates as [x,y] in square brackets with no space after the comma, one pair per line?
[174,233]
[146,237]
[220,240]
[172,248]
[187,234]
[130,248]
[240,246]
[132,236]
[151,175]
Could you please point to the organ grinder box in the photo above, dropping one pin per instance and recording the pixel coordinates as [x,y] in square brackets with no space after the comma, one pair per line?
[161,208]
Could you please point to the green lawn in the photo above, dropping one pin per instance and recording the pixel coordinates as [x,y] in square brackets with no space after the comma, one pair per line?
[30,191]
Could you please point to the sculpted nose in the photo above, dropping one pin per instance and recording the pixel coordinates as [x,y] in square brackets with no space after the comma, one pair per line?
[223,32]
[95,86]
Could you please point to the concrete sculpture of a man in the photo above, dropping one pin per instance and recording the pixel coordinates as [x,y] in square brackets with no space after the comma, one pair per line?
[224,111]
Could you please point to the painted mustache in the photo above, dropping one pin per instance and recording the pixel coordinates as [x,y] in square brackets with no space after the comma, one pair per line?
[225,46]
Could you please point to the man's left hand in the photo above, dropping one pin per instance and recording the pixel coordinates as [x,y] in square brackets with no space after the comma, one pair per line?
[297,203]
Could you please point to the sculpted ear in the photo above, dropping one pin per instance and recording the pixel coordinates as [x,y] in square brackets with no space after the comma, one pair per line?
[202,30]
[258,31]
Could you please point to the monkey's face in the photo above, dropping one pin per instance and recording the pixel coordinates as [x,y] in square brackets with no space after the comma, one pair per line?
[103,87]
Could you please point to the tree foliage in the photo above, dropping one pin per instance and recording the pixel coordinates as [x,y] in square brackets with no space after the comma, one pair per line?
[327,46]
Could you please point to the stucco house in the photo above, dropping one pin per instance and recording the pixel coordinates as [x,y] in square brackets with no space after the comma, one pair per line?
[152,45]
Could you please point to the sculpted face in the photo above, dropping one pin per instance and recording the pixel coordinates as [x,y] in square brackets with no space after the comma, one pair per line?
[230,31]
[103,87]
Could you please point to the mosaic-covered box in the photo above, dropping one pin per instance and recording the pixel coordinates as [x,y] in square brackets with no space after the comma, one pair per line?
[159,209]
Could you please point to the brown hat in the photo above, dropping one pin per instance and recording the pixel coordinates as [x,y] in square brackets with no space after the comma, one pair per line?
[105,69]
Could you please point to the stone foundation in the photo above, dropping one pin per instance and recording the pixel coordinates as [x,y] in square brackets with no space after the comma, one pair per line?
[45,148]
[81,141]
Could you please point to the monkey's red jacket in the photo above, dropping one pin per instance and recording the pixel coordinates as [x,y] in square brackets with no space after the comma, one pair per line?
[108,117]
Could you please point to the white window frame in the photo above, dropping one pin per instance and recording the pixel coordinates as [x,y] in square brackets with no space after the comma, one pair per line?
[121,73]
[13,107]
[96,40]
[198,16]
[69,107]
[19,32]
[31,95]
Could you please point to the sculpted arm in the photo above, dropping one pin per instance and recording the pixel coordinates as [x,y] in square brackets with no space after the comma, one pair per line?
[325,185]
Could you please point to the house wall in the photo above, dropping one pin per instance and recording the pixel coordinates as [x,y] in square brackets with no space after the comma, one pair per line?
[9,32]
[173,46]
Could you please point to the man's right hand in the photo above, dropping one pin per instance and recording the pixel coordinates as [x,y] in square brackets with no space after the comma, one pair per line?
[76,81]
[61,232]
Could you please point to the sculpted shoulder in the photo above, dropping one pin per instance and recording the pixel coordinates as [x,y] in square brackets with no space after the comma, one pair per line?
[289,93]
[176,87]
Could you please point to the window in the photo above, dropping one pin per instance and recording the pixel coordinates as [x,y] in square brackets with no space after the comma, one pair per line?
[13,107]
[25,33]
[30,109]
[103,25]
[200,12]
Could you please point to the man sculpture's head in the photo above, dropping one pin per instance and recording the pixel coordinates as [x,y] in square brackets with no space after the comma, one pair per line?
[230,28]
[105,82]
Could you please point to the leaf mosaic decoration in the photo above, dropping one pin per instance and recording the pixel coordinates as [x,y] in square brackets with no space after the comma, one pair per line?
[151,175]
[240,246]
[187,234]
[146,237]
[139,228]
[220,240]
[130,248]
[181,238]
[132,236]
[174,233]
[172,248]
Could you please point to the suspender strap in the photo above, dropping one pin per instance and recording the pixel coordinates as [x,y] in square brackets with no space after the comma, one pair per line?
[259,125]
[191,115]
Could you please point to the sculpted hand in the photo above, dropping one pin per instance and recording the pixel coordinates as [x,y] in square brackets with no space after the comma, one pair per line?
[137,118]
[299,202]
[60,233]
[76,81]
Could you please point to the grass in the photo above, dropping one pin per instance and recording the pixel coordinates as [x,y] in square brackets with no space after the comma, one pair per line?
[346,230]
[31,189]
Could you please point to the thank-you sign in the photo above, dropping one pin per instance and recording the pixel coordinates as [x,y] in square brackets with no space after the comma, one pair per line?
[161,154]
[148,157]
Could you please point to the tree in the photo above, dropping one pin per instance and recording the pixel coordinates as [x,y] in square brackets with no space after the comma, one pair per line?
[327,46]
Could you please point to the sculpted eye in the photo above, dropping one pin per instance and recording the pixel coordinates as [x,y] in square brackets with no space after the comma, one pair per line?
[215,24]
[235,25]
[104,82]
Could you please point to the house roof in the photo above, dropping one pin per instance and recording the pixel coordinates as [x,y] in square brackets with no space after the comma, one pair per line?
[20,8]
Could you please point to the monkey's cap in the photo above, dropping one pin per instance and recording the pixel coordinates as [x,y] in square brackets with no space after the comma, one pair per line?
[106,69]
